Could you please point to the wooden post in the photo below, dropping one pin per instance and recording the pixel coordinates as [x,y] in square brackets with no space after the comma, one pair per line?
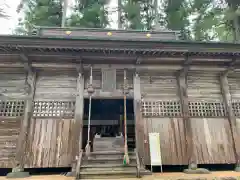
[182,86]
[231,117]
[23,141]
[78,121]
[139,128]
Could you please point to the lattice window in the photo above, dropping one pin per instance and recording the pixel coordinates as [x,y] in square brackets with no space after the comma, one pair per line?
[161,108]
[12,108]
[236,108]
[207,109]
[54,109]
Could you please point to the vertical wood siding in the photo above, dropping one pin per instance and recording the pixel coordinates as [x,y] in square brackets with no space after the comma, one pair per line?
[172,139]
[212,140]
[50,143]
[159,86]
[204,87]
[9,132]
[56,86]
[234,86]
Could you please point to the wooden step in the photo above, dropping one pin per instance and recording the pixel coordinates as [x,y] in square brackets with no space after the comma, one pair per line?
[108,144]
[126,173]
[106,160]
[107,165]
[110,153]
[109,168]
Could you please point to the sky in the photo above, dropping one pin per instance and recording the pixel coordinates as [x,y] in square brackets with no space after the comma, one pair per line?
[8,25]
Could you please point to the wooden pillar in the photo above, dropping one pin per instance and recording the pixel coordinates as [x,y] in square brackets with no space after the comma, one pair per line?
[23,142]
[78,119]
[139,125]
[231,117]
[182,86]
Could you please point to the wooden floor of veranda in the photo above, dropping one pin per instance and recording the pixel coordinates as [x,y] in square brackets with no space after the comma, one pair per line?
[156,176]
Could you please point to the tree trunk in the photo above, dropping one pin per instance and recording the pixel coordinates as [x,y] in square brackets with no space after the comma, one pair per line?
[64,12]
[119,14]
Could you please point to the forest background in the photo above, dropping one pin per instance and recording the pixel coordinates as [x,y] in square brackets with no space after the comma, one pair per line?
[199,20]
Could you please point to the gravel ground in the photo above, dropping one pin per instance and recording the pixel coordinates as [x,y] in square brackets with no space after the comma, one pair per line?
[223,175]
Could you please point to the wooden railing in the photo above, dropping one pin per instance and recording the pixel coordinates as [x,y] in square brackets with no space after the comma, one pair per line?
[79,161]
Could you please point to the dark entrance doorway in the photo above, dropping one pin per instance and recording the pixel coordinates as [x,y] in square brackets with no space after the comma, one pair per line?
[107,116]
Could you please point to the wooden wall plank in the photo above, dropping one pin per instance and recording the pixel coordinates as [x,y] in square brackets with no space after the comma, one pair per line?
[56,86]
[213,141]
[11,81]
[172,139]
[234,85]
[204,86]
[159,86]
[9,132]
[51,146]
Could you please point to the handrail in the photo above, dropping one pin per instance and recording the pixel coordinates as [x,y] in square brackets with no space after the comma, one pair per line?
[79,161]
[138,163]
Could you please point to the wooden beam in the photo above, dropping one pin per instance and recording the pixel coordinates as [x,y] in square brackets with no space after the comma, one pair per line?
[140,67]
[186,65]
[23,141]
[182,87]
[78,118]
[26,63]
[141,138]
[231,117]
[99,93]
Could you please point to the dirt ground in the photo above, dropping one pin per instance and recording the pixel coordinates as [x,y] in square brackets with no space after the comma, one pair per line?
[223,175]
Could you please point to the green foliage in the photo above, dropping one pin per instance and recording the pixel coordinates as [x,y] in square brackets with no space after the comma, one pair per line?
[201,20]
[40,13]
[89,14]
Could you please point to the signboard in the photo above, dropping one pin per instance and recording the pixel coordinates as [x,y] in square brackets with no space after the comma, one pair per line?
[155,150]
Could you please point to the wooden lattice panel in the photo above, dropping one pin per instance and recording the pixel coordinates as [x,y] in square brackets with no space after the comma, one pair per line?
[54,109]
[12,108]
[207,109]
[236,108]
[161,108]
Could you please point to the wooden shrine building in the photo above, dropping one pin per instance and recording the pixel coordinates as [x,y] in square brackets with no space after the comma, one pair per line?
[189,92]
